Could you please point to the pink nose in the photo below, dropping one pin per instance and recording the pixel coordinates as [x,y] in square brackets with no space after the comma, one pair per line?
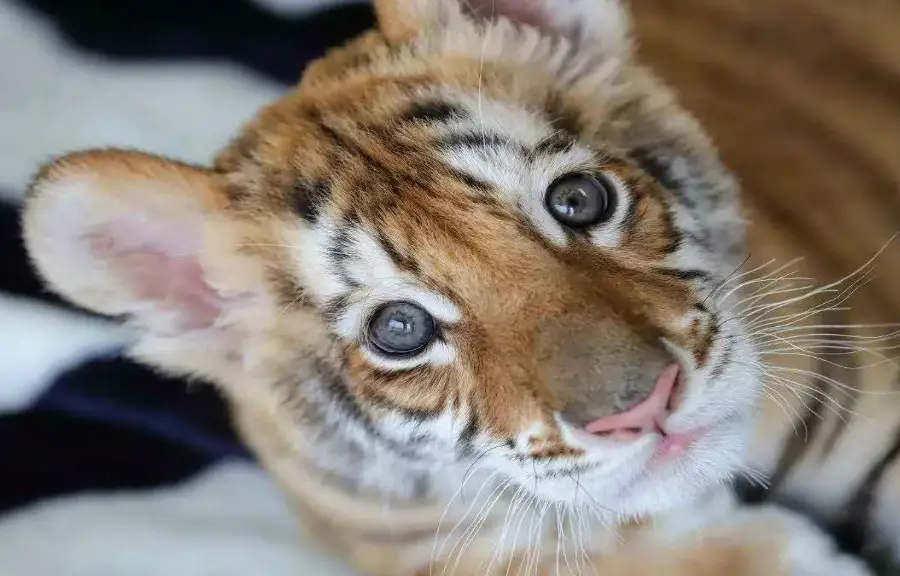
[648,416]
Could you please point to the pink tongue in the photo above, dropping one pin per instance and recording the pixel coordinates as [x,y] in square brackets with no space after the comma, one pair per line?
[648,416]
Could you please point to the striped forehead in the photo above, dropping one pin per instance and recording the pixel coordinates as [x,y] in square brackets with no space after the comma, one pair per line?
[431,189]
[450,145]
[477,115]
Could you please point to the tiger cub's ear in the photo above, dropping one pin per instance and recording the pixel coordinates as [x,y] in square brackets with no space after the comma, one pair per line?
[597,27]
[129,234]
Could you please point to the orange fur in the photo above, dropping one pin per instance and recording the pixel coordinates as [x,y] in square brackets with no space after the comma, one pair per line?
[535,315]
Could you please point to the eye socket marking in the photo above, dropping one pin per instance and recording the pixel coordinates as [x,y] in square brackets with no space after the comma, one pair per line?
[581,200]
[400,329]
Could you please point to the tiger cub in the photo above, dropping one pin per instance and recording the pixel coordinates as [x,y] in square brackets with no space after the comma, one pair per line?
[463,291]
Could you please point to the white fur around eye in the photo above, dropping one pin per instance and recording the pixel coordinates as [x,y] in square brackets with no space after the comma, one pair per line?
[437,353]
[378,281]
[609,233]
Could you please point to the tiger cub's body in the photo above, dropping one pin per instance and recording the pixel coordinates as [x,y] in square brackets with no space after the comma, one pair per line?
[800,96]
[473,291]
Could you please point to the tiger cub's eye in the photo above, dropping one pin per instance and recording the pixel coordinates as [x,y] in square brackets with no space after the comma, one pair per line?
[401,329]
[581,200]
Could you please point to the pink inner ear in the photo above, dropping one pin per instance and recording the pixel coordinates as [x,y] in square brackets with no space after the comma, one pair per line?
[529,12]
[156,274]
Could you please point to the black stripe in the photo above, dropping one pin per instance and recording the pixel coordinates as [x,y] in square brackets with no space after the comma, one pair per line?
[688,274]
[306,198]
[465,444]
[376,166]
[727,354]
[812,420]
[417,415]
[470,180]
[478,140]
[676,238]
[563,115]
[847,402]
[652,163]
[346,402]
[850,395]
[855,525]
[390,170]
[290,293]
[401,261]
[433,111]
[797,445]
[556,143]
[335,308]
[698,237]
[750,491]
[338,251]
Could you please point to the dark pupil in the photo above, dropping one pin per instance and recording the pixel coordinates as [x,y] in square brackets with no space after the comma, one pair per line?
[401,328]
[571,201]
[578,200]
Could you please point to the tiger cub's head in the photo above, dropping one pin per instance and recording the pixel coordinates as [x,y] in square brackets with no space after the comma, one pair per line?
[480,238]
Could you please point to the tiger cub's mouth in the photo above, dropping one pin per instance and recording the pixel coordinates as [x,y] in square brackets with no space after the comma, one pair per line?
[651,416]
[657,453]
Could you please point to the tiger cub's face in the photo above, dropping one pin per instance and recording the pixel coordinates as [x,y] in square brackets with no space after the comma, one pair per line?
[461,244]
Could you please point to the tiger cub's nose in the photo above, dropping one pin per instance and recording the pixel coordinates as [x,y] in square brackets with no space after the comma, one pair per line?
[649,415]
